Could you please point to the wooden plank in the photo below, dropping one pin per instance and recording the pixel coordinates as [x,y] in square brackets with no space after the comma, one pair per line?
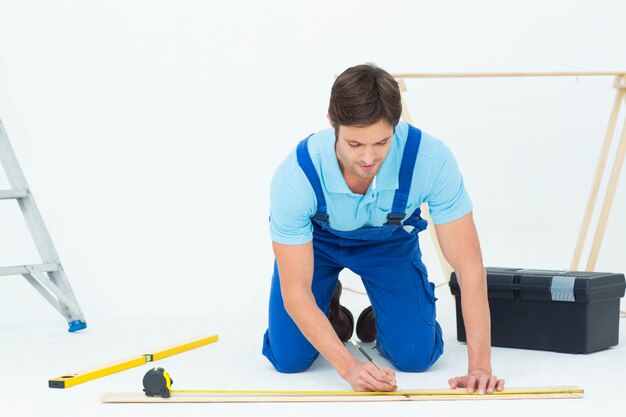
[508,74]
[262,396]
[597,179]
[608,201]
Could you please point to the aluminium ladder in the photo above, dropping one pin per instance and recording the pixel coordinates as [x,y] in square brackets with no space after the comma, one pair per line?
[47,277]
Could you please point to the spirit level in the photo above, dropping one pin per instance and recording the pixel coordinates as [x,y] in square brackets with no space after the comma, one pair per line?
[69,380]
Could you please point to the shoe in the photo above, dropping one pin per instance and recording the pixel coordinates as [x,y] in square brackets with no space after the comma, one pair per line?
[366,325]
[340,317]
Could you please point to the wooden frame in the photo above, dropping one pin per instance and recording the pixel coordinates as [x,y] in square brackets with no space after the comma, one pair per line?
[620,85]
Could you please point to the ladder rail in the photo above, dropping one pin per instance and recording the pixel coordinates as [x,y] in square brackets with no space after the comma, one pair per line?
[27,204]
[52,282]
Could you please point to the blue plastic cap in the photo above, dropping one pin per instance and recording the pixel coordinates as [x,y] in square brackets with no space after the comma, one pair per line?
[77,325]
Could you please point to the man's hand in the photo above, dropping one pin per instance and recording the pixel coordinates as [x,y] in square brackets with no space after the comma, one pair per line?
[478,379]
[363,376]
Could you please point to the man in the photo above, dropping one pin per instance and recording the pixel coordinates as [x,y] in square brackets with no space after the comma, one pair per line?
[349,197]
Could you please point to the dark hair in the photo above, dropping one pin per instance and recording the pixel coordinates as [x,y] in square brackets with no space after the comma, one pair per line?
[363,95]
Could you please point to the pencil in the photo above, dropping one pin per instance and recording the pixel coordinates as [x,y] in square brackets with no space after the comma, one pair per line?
[360,349]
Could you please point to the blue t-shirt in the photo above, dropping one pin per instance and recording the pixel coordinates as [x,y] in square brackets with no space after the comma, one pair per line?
[436,181]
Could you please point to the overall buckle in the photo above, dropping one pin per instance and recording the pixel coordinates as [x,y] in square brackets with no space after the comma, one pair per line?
[321,217]
[395,219]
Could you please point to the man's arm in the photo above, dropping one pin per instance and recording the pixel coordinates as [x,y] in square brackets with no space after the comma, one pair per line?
[295,267]
[460,246]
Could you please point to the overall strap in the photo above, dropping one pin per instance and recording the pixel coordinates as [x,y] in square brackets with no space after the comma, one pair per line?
[405,177]
[305,162]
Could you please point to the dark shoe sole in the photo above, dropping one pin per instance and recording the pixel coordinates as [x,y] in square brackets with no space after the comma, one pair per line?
[345,325]
[340,317]
[366,325]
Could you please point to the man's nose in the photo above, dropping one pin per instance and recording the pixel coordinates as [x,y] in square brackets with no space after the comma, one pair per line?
[368,156]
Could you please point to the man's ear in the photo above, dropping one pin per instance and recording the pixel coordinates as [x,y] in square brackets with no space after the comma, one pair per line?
[330,121]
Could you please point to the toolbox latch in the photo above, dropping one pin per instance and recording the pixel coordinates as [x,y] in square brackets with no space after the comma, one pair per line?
[562,288]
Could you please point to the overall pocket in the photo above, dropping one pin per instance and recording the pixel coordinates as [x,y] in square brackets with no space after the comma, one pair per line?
[425,292]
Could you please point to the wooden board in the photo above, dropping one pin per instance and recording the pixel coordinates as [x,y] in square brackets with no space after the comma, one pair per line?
[510,74]
[263,396]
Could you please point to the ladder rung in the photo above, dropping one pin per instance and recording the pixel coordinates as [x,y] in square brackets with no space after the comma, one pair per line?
[27,269]
[12,194]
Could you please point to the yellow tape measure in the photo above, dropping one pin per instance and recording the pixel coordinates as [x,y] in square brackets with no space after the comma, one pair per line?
[158,383]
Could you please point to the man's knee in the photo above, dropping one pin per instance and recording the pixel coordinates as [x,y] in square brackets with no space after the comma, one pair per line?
[291,364]
[412,357]
[288,355]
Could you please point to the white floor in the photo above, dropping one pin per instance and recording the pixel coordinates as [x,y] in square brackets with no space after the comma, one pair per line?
[36,348]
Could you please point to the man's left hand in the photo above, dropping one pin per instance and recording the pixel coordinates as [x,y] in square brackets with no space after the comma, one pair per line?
[477,379]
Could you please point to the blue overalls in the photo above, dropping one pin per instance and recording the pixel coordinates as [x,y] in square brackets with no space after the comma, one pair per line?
[388,260]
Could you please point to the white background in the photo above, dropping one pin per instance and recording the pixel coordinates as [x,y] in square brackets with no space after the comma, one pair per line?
[149,132]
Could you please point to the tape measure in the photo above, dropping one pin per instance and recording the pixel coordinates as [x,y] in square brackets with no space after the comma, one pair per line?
[157,383]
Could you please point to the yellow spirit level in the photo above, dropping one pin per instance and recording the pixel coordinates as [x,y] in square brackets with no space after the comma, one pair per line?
[69,380]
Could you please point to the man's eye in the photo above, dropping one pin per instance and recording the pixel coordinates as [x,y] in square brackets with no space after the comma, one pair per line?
[382,142]
[354,145]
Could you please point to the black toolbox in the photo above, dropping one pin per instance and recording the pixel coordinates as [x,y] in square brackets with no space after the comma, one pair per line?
[571,312]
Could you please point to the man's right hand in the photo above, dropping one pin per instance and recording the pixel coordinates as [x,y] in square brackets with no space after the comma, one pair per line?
[364,376]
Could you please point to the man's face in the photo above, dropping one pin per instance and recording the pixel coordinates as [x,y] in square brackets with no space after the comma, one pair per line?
[361,150]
